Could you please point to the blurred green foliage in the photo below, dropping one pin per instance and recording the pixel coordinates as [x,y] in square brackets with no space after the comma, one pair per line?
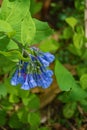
[19,109]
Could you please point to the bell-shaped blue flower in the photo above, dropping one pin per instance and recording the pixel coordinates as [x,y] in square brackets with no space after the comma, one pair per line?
[29,82]
[25,86]
[43,61]
[14,80]
[48,56]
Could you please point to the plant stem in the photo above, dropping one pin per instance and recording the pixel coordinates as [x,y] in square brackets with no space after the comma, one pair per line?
[25,53]
[18,43]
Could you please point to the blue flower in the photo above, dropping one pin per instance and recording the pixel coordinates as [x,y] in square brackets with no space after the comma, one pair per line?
[14,80]
[43,61]
[42,81]
[29,82]
[17,78]
[49,57]
[34,72]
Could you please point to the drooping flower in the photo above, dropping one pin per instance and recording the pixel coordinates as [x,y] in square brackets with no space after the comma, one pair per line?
[35,72]
[29,82]
[17,78]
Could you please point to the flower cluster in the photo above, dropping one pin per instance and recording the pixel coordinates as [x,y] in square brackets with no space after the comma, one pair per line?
[35,72]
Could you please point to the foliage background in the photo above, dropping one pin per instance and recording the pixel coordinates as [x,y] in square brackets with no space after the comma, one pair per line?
[64,104]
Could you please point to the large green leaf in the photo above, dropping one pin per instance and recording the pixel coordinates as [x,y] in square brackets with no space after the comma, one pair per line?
[64,77]
[5,10]
[6,28]
[14,12]
[18,11]
[49,45]
[42,31]
[75,94]
[27,29]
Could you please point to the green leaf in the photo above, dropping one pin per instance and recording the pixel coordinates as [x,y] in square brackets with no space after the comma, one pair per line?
[83,81]
[42,31]
[23,93]
[5,10]
[6,28]
[78,40]
[71,21]
[14,121]
[34,119]
[11,46]
[13,98]
[34,102]
[69,109]
[49,45]
[35,7]
[10,89]
[2,117]
[27,30]
[18,10]
[67,33]
[4,41]
[74,50]
[76,94]
[23,115]
[14,55]
[64,77]
[6,65]
[3,90]
[83,104]
[14,13]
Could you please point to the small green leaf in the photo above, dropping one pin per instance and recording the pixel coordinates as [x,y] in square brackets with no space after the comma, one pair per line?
[14,121]
[69,110]
[10,89]
[78,40]
[4,43]
[14,55]
[42,31]
[83,81]
[2,117]
[83,104]
[34,102]
[27,30]
[3,90]
[64,77]
[13,98]
[67,33]
[35,7]
[34,119]
[71,21]
[23,115]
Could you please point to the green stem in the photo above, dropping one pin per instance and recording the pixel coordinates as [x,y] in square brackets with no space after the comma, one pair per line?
[25,53]
[18,43]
